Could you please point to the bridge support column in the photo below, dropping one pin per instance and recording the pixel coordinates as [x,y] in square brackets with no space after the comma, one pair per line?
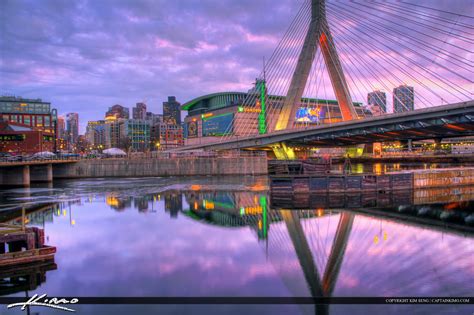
[15,176]
[437,148]
[41,173]
[282,152]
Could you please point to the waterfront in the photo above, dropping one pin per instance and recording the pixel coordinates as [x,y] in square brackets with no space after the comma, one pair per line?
[208,236]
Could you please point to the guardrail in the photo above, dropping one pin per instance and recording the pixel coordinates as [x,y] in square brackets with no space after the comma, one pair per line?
[139,155]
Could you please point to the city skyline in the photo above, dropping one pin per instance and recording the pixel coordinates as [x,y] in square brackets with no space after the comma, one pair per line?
[91,56]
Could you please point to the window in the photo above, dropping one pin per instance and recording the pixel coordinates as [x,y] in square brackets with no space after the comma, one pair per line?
[27,120]
[39,121]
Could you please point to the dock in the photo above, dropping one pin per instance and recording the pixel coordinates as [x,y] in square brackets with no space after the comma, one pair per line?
[21,245]
[405,180]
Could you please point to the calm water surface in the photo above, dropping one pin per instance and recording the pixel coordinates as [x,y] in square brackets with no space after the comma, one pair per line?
[221,237]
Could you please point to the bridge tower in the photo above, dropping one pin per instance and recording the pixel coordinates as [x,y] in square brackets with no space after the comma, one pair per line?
[318,35]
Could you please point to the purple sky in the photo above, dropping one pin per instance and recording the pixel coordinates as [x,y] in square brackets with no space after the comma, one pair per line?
[85,56]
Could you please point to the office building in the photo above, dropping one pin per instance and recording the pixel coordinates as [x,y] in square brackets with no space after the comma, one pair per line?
[32,113]
[135,135]
[403,99]
[72,127]
[172,111]
[377,99]
[165,136]
[139,111]
[116,112]
[27,125]
[96,134]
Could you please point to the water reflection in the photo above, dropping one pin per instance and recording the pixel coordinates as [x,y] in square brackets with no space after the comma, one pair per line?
[204,237]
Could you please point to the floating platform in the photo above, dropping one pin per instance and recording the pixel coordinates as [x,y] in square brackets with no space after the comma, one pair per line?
[23,245]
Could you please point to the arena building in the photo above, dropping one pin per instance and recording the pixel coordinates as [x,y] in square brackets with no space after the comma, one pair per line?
[213,116]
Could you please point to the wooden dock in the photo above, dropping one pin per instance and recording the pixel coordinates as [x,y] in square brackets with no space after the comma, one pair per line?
[21,245]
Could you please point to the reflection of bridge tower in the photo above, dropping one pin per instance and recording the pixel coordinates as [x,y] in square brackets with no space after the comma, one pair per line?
[318,34]
[319,287]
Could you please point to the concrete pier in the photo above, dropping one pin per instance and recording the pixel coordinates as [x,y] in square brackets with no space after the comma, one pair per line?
[15,176]
[41,173]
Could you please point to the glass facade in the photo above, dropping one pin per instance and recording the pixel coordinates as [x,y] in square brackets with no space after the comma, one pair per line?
[137,132]
[19,105]
[218,125]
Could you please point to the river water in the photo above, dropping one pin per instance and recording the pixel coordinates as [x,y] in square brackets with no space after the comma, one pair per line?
[211,237]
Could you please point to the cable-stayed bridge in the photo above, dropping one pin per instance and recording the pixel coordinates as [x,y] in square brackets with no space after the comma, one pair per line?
[352,52]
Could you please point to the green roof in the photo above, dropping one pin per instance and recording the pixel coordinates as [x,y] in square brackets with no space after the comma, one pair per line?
[188,105]
[191,103]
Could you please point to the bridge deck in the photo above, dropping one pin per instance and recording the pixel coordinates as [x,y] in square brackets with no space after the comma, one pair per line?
[42,162]
[452,120]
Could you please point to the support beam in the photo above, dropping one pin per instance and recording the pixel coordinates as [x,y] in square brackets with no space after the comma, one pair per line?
[338,250]
[15,176]
[318,33]
[305,258]
[283,152]
[41,173]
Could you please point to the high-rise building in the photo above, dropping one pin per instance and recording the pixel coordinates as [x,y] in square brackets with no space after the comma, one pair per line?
[72,127]
[135,134]
[62,138]
[154,118]
[403,99]
[171,111]
[377,98]
[61,128]
[113,135]
[165,136]
[96,134]
[116,112]
[139,111]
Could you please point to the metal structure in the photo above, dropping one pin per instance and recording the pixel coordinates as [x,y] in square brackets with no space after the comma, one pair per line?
[447,121]
[375,53]
[318,34]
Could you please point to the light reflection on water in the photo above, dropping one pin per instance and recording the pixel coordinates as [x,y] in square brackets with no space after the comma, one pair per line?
[222,237]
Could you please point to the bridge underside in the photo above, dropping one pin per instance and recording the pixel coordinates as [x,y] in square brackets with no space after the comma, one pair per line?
[448,121]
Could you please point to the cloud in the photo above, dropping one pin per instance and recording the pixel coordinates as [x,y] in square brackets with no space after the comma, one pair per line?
[86,55]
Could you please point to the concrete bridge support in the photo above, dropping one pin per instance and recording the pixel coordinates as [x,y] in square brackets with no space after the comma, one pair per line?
[41,173]
[15,176]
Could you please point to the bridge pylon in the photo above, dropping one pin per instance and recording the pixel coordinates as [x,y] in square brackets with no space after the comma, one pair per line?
[318,34]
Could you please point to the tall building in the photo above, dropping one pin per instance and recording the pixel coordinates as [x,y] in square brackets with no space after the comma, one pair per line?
[135,135]
[61,128]
[113,136]
[377,98]
[165,136]
[154,118]
[172,111]
[403,99]
[139,111]
[61,138]
[96,133]
[72,127]
[117,111]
